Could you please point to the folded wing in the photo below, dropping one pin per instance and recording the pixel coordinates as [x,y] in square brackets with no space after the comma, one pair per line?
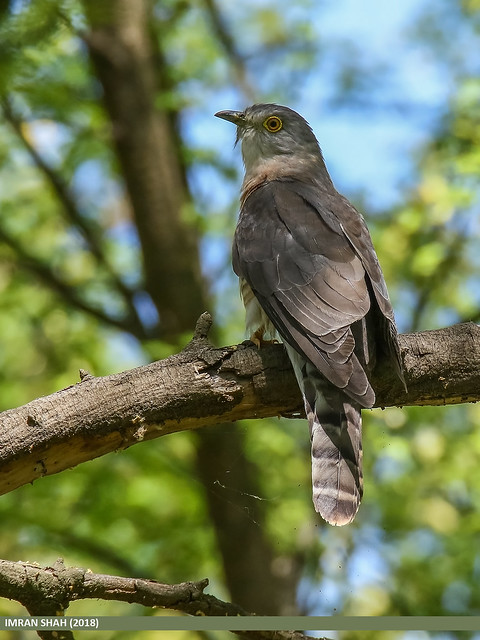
[296,254]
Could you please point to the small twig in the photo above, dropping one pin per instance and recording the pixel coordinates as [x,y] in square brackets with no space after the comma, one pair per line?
[236,60]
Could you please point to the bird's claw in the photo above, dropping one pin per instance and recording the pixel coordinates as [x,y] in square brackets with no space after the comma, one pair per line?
[258,340]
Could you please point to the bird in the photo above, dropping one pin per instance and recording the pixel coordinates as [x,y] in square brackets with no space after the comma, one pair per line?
[310,278]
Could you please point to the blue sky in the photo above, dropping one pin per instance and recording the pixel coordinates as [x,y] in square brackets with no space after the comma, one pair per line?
[364,151]
[369,151]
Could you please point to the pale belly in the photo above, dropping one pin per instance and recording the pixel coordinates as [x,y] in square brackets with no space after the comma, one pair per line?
[258,326]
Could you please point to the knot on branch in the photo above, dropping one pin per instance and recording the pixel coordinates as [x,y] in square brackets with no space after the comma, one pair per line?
[203,326]
[200,335]
[85,375]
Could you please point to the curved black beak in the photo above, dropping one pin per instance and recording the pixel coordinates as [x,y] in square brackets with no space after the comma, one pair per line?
[237,117]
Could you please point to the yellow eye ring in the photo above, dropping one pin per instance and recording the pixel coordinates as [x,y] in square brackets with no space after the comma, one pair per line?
[273,124]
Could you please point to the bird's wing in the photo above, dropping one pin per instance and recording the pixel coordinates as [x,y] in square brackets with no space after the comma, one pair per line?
[295,255]
[356,231]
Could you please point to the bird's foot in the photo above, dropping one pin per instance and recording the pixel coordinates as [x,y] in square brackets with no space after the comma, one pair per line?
[258,340]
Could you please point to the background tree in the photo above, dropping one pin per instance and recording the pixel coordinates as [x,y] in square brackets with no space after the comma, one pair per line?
[118,202]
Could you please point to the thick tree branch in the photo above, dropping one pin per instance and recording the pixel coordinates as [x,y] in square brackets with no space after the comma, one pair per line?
[33,586]
[202,385]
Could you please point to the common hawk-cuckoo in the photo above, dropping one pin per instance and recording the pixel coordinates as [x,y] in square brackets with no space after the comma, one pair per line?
[309,274]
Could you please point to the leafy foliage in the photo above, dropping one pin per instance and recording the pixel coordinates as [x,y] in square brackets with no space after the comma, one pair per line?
[73,296]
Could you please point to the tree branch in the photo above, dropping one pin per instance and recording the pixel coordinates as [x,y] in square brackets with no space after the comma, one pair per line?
[69,294]
[225,38]
[71,213]
[202,385]
[32,586]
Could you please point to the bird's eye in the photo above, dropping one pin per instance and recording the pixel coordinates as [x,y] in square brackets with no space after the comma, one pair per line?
[273,124]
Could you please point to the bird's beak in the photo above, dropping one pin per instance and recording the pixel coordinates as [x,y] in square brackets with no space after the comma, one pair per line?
[237,117]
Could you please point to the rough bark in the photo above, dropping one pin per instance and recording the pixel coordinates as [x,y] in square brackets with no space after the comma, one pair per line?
[202,385]
[32,585]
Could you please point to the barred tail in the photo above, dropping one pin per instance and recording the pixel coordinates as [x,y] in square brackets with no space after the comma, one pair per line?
[336,439]
[337,481]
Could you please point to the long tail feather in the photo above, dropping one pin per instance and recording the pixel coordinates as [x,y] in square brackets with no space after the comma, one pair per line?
[336,441]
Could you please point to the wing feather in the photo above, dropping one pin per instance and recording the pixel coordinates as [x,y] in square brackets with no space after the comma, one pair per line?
[356,231]
[296,257]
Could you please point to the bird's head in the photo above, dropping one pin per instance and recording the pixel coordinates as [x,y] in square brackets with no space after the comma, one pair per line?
[270,132]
